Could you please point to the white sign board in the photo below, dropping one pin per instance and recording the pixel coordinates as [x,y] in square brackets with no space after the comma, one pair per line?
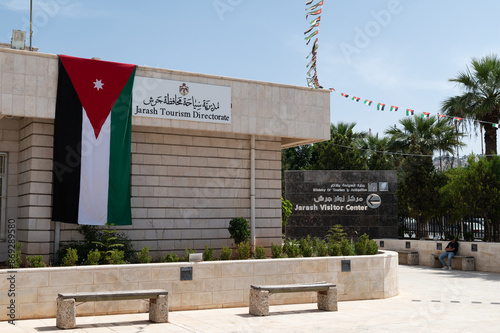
[181,100]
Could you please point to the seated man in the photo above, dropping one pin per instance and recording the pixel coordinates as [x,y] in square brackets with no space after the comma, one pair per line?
[451,250]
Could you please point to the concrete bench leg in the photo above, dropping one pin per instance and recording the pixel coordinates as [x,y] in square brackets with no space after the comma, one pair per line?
[435,263]
[327,300]
[468,264]
[66,313]
[158,309]
[259,302]
[412,258]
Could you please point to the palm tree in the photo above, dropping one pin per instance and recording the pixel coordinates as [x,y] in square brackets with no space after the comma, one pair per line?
[341,152]
[417,180]
[424,136]
[480,102]
[375,150]
[345,132]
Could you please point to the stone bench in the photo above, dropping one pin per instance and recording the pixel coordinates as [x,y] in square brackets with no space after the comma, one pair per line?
[406,257]
[259,295]
[465,263]
[66,308]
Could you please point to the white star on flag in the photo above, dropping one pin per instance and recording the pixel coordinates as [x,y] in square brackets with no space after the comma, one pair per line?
[98,84]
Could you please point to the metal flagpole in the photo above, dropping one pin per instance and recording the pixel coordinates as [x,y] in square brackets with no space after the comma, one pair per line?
[31,24]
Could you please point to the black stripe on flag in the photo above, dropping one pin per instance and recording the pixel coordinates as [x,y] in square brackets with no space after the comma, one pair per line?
[67,151]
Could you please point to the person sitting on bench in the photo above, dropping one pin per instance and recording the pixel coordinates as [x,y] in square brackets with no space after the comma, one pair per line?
[451,249]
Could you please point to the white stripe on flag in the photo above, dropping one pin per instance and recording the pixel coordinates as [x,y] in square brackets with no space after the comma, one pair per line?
[94,176]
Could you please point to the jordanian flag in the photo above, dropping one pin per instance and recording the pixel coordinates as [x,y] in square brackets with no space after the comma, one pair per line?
[409,112]
[315,6]
[356,99]
[394,108]
[368,102]
[92,135]
[313,13]
[425,114]
[345,95]
[380,106]
[495,125]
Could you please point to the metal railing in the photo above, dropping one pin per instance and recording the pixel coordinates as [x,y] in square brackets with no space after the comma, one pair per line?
[469,229]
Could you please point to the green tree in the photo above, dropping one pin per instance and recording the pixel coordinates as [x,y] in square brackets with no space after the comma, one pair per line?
[375,150]
[475,190]
[480,101]
[423,136]
[297,158]
[341,152]
[417,191]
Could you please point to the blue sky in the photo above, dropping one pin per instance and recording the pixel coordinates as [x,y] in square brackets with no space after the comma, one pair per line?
[396,52]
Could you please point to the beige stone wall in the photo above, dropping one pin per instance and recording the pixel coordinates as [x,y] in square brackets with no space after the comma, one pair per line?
[34,226]
[297,115]
[188,178]
[9,143]
[216,284]
[486,257]
[187,186]
[28,84]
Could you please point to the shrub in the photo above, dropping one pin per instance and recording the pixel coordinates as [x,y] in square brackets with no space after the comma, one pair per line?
[276,250]
[71,258]
[347,247]
[169,257]
[208,254]
[306,248]
[336,233]
[93,237]
[15,259]
[364,245]
[372,247]
[115,257]
[144,257]
[186,255]
[243,250]
[260,252]
[36,261]
[334,249]
[286,211]
[93,257]
[225,253]
[320,247]
[238,229]
[109,245]
[292,248]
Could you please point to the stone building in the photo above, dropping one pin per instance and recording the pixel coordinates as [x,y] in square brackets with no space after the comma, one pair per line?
[189,178]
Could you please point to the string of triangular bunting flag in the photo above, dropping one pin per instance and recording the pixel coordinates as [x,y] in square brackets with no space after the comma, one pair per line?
[312,74]
[313,30]
[409,112]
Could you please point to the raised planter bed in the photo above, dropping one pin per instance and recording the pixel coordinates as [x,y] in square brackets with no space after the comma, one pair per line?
[214,284]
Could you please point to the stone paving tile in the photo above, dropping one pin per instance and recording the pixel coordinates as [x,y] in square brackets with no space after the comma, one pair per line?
[430,300]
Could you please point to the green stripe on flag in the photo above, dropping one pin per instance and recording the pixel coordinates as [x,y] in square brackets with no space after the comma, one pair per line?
[119,209]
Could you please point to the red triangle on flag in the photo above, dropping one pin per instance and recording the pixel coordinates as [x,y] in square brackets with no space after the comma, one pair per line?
[98,85]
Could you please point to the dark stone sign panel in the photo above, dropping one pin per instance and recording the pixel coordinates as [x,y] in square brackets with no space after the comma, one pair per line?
[361,201]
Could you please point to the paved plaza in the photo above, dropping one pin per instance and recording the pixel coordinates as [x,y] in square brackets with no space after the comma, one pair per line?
[430,300]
